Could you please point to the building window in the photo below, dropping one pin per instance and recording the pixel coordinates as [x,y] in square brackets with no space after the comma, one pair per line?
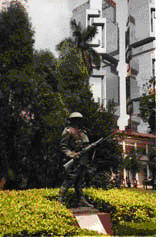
[114,14]
[127,38]
[128,88]
[103,36]
[153,67]
[152,18]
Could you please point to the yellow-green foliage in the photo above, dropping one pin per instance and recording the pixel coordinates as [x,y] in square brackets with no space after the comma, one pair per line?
[36,211]
[129,205]
[71,64]
[133,212]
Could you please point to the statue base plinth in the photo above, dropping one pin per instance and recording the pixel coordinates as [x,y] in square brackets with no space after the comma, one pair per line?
[92,219]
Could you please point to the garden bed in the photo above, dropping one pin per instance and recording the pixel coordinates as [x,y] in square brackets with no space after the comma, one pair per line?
[36,212]
[132,212]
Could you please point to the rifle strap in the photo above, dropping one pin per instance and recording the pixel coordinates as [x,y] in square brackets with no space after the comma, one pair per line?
[94,153]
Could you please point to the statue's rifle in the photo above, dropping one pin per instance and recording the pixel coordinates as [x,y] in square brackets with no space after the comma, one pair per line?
[68,164]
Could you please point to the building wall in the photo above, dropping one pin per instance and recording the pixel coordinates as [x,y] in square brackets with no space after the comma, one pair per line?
[106,81]
[109,12]
[98,79]
[140,11]
[112,37]
[105,77]
[141,62]
[79,14]
[112,86]
[112,81]
[142,56]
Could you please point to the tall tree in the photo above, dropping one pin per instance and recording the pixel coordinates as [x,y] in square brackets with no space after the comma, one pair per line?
[32,112]
[45,64]
[81,39]
[73,78]
[16,37]
[74,87]
[16,50]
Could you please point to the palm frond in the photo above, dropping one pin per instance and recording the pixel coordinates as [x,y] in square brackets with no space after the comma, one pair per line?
[89,33]
[76,32]
[74,26]
[80,38]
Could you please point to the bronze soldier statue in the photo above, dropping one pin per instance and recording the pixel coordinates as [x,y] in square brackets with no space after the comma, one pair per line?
[74,139]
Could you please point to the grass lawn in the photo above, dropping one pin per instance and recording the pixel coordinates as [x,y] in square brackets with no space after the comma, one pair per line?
[36,212]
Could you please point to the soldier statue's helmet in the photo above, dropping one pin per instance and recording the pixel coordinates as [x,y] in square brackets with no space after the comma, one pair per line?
[75,115]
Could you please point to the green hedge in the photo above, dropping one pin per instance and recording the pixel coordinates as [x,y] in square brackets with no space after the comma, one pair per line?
[132,212]
[36,212]
[124,228]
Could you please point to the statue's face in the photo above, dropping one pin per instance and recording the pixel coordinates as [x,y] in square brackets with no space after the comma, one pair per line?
[77,122]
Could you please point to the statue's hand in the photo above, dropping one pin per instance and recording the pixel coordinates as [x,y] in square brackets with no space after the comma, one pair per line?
[74,154]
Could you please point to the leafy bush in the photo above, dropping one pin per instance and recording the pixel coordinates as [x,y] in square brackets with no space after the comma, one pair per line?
[136,229]
[132,212]
[100,180]
[36,212]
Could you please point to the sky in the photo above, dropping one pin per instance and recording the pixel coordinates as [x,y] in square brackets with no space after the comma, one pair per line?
[50,20]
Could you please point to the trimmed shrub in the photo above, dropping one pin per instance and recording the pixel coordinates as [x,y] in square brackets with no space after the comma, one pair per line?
[36,212]
[132,212]
[136,229]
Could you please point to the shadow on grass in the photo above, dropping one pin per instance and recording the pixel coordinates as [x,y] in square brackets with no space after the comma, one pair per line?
[135,229]
[26,234]
[70,199]
[37,234]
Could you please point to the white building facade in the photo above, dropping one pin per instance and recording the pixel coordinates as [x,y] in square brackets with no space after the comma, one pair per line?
[126,43]
[142,63]
[121,25]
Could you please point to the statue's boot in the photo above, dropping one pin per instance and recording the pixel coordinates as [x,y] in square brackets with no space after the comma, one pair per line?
[61,194]
[84,201]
